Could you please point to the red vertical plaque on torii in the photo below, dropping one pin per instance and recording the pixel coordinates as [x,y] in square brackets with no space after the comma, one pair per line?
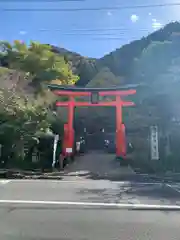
[94,94]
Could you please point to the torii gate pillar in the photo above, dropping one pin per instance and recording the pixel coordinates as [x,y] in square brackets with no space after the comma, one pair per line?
[120,144]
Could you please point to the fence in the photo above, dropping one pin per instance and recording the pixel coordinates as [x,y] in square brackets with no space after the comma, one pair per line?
[36,156]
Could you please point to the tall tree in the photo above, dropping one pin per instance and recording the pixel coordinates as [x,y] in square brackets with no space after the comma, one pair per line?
[38,61]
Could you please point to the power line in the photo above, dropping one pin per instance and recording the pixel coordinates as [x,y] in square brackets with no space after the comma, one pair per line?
[88,31]
[98,35]
[91,9]
[113,38]
[85,31]
[89,34]
[98,38]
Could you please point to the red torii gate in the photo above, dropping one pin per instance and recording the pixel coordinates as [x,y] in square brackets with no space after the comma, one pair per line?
[94,93]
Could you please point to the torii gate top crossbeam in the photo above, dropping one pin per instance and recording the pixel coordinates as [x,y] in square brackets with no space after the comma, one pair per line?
[75,91]
[85,89]
[102,93]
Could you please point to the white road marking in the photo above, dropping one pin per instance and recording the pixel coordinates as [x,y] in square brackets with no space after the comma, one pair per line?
[98,204]
[140,183]
[173,187]
[51,181]
[83,181]
[4,181]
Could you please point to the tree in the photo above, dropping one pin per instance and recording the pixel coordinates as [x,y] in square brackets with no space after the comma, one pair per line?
[21,119]
[104,78]
[38,61]
[24,114]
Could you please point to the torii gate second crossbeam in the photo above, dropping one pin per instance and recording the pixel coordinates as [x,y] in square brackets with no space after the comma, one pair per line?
[94,93]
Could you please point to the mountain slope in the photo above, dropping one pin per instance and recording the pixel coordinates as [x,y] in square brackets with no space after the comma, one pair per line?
[119,62]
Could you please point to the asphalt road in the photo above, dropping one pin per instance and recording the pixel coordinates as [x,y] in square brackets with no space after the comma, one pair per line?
[79,208]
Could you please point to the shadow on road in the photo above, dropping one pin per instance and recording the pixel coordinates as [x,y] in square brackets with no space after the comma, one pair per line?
[155,191]
[131,192]
[99,166]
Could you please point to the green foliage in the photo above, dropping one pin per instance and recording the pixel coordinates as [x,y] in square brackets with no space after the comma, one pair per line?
[38,61]
[21,119]
[105,78]
[23,122]
[24,115]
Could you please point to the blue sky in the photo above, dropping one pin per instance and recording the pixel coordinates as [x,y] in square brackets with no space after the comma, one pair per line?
[90,33]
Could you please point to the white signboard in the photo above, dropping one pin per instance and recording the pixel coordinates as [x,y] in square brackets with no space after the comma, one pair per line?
[78,144]
[154,143]
[56,139]
[69,150]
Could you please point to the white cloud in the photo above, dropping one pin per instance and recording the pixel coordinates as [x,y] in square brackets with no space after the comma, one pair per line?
[109,13]
[150,14]
[22,32]
[134,18]
[154,20]
[156,25]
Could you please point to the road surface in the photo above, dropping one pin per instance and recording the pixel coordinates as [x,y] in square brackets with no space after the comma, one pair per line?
[98,166]
[86,209]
